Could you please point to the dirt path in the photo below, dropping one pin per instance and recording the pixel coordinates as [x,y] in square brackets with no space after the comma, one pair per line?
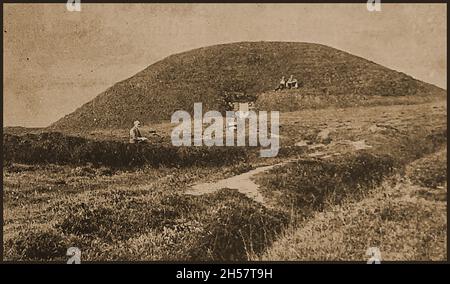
[342,132]
[243,183]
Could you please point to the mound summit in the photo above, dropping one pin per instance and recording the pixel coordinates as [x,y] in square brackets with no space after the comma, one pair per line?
[206,74]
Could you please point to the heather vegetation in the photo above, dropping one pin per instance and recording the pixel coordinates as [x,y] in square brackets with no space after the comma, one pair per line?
[113,210]
[362,164]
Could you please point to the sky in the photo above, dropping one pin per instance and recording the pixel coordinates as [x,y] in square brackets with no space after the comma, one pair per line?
[54,60]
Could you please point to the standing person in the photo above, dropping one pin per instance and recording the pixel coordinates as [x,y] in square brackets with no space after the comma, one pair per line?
[282,84]
[135,134]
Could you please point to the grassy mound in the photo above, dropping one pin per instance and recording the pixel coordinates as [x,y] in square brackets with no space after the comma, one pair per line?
[208,74]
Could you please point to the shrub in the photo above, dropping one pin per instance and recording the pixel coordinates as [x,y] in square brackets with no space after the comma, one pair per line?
[310,184]
[430,171]
[225,225]
[414,146]
[61,149]
[236,228]
[43,246]
[123,216]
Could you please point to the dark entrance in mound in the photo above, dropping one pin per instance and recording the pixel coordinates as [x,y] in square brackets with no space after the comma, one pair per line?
[235,101]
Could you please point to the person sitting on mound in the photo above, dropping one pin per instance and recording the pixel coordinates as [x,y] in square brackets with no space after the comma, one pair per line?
[292,83]
[135,134]
[282,84]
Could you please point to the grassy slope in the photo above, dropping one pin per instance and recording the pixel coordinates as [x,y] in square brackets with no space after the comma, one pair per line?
[406,222]
[205,74]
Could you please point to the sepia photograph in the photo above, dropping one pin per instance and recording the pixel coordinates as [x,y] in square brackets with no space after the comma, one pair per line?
[215,132]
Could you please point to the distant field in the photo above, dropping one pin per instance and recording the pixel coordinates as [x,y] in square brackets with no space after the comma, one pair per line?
[358,176]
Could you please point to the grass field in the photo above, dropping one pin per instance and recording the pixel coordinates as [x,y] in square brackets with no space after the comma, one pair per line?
[350,178]
[406,221]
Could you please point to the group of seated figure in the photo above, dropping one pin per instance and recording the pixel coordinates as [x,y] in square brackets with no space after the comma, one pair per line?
[135,134]
[291,83]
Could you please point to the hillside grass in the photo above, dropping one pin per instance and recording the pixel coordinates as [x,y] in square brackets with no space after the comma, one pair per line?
[207,74]
[396,218]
